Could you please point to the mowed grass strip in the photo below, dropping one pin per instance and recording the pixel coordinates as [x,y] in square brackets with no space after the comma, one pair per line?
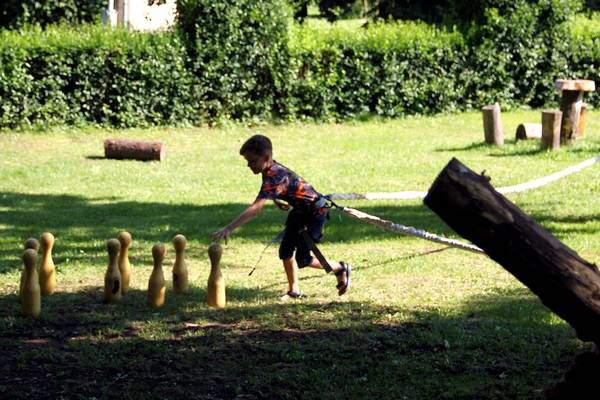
[420,321]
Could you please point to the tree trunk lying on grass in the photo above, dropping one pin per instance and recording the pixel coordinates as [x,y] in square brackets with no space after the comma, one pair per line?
[579,381]
[134,149]
[565,283]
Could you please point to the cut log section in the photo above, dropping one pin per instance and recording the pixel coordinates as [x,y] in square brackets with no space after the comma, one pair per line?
[551,129]
[134,150]
[529,130]
[492,125]
[567,284]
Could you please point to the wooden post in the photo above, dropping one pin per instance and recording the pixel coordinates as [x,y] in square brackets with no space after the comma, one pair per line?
[492,125]
[551,120]
[528,131]
[134,149]
[567,284]
[582,120]
[570,105]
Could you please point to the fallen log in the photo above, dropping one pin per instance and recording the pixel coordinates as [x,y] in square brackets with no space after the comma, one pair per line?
[579,381]
[134,149]
[567,284]
[528,131]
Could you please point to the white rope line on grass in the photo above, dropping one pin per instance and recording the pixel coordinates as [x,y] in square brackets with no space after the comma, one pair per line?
[409,230]
[410,195]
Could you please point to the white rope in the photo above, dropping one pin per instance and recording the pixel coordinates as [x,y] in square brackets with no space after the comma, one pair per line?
[410,195]
[409,230]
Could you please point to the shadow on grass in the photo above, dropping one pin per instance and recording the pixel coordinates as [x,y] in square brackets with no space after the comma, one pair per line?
[511,148]
[519,153]
[518,148]
[499,346]
[472,146]
[82,225]
[562,226]
[585,224]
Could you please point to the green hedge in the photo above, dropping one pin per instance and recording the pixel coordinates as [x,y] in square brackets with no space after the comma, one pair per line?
[18,13]
[238,55]
[201,74]
[519,48]
[92,74]
[511,53]
[584,60]
[389,69]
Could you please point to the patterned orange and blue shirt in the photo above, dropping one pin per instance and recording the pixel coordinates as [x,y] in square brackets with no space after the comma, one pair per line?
[279,182]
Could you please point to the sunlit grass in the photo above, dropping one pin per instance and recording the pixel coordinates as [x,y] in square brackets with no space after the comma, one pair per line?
[420,321]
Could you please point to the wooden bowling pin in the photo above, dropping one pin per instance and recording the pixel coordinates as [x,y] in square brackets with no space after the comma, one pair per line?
[47,271]
[31,301]
[156,284]
[112,277]
[216,283]
[31,243]
[180,271]
[124,265]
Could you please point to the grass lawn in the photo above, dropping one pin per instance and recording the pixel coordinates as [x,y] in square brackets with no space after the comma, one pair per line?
[419,322]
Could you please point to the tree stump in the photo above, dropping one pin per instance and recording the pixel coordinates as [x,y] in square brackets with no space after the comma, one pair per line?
[492,125]
[551,120]
[567,284]
[570,105]
[134,149]
[528,130]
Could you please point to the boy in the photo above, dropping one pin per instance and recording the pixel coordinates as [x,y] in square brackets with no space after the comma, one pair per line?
[308,212]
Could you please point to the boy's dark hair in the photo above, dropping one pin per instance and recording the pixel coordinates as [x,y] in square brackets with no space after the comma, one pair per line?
[258,145]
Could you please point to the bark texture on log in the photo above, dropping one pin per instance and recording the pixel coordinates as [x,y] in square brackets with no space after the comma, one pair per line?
[582,124]
[551,129]
[134,149]
[567,284]
[492,125]
[579,381]
[570,105]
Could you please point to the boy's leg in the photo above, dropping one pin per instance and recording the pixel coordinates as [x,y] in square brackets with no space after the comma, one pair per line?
[315,231]
[291,272]
[341,272]
[286,252]
[336,267]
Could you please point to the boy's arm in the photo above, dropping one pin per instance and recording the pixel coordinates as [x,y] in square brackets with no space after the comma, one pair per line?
[252,211]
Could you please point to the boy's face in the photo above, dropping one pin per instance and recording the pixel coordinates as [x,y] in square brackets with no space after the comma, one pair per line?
[257,163]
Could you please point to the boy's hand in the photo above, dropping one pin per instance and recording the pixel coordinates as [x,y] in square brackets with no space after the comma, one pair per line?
[282,205]
[221,234]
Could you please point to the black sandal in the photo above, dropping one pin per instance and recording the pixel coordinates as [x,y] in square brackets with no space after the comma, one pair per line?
[294,295]
[346,270]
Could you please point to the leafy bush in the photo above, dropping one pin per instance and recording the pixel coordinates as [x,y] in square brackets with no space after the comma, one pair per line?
[92,74]
[238,60]
[239,56]
[341,9]
[18,13]
[584,60]
[519,47]
[387,69]
[592,4]
[300,9]
[430,11]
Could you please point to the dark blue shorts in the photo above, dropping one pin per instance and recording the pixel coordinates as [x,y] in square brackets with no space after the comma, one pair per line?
[292,238]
